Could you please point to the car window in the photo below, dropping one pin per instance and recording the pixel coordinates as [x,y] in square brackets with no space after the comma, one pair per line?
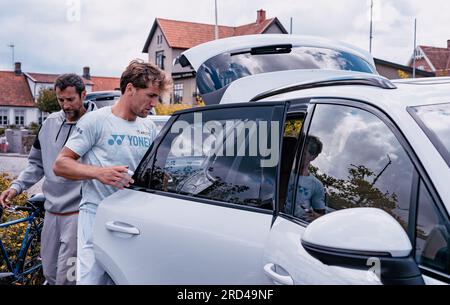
[435,122]
[217,155]
[350,159]
[433,237]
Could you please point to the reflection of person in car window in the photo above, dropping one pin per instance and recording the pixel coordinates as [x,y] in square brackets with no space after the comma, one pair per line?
[310,199]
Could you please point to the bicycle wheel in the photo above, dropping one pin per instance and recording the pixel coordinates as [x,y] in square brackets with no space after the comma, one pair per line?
[31,266]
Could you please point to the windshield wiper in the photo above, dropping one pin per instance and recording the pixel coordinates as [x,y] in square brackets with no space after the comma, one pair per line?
[273,49]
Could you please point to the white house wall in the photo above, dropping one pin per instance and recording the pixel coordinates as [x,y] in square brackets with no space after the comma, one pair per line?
[273,29]
[31,114]
[164,46]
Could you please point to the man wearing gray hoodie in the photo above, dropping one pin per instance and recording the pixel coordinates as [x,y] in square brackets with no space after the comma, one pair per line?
[59,234]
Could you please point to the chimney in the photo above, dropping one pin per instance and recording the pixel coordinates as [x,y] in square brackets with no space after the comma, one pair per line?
[260,16]
[87,73]
[18,68]
[448,44]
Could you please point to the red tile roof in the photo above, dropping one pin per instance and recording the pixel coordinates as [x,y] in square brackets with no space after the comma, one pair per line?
[439,57]
[50,78]
[14,90]
[105,83]
[253,28]
[185,35]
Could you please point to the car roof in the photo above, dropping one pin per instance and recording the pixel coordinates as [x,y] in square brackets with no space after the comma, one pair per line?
[160,118]
[408,92]
[201,53]
[265,82]
[103,93]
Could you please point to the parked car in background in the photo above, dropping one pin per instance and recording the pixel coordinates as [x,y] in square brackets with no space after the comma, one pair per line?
[106,98]
[351,186]
[159,120]
[103,98]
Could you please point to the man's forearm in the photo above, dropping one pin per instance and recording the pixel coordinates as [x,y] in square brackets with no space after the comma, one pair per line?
[71,169]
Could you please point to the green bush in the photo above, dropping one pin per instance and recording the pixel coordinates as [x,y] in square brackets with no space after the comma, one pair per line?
[34,127]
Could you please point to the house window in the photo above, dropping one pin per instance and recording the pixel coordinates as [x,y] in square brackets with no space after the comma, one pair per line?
[4,117]
[159,39]
[178,93]
[19,117]
[160,59]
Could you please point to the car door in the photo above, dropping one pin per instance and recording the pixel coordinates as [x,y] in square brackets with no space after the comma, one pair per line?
[356,159]
[201,208]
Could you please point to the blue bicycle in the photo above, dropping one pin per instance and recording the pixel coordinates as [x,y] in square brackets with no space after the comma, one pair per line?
[26,268]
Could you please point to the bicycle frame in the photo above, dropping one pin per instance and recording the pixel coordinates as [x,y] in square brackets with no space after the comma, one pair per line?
[15,269]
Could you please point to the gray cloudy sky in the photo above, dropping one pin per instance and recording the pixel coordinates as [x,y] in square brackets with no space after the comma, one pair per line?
[109,33]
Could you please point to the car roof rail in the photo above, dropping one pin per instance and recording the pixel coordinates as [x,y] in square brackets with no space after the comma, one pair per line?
[364,80]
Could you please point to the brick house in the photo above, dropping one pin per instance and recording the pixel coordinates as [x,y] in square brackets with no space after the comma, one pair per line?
[19,91]
[169,38]
[393,70]
[433,59]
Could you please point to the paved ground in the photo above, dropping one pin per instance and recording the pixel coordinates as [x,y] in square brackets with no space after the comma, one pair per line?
[13,165]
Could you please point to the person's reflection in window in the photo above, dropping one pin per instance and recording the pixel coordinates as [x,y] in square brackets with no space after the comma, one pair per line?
[310,199]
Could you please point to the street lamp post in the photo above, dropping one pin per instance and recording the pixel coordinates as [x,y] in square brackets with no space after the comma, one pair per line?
[216,27]
[371,26]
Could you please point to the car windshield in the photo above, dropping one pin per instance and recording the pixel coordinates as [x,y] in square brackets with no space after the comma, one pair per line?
[435,121]
[225,68]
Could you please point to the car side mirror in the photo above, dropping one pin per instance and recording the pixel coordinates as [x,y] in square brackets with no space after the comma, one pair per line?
[362,238]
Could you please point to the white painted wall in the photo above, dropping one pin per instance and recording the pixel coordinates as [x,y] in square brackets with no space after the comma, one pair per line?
[31,114]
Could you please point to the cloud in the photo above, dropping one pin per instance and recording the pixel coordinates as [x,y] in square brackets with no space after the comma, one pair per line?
[110,33]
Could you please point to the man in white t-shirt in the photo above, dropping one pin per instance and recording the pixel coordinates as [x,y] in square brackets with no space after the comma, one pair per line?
[110,143]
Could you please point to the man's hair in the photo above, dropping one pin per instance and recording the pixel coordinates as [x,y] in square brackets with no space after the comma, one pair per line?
[70,80]
[139,74]
[314,145]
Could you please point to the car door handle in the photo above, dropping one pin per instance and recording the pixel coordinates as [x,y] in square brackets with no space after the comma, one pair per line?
[122,228]
[269,270]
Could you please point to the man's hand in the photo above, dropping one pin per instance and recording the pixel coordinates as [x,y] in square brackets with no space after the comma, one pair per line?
[115,176]
[7,196]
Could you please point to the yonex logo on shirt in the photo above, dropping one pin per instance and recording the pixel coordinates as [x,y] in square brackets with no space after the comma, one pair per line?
[132,140]
[116,139]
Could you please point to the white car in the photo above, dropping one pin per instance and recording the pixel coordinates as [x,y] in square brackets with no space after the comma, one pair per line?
[348,184]
[159,120]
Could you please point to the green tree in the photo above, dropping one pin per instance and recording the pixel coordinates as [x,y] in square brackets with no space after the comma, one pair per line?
[47,101]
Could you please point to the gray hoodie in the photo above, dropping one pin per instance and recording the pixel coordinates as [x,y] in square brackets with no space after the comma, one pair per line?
[62,195]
